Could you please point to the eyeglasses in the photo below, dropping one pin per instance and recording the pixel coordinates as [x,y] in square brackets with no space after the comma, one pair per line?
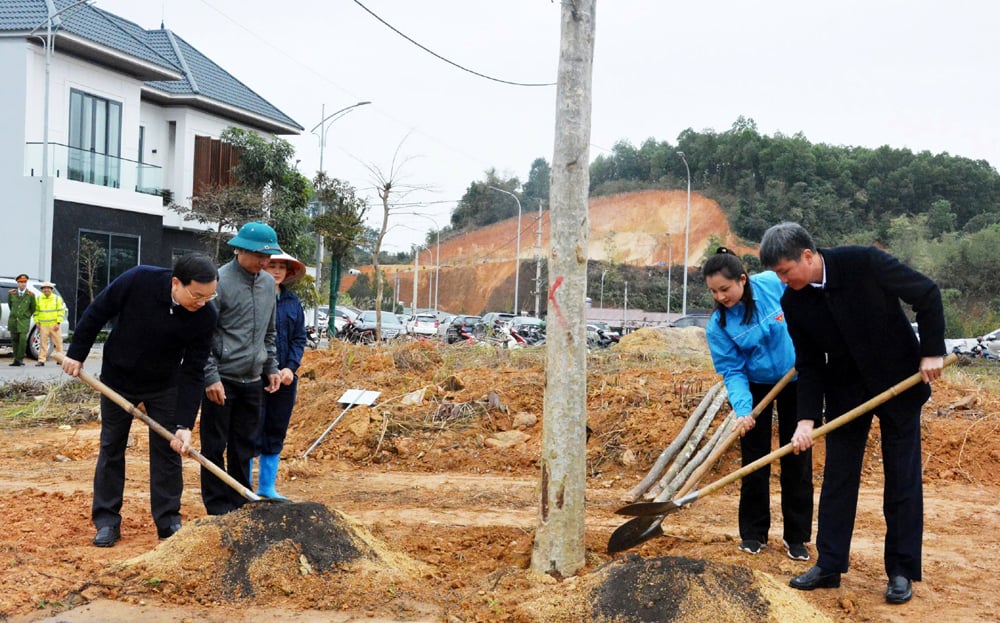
[195,297]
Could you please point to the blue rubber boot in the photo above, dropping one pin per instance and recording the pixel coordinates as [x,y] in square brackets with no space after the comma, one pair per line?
[267,475]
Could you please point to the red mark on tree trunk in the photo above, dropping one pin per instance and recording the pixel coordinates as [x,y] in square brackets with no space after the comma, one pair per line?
[552,300]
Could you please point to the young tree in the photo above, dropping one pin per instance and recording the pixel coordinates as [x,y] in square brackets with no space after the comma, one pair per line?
[559,547]
[390,190]
[341,225]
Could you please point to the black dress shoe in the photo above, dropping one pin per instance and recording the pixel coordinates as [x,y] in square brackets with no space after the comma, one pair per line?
[39,364]
[817,577]
[16,363]
[169,531]
[107,536]
[900,590]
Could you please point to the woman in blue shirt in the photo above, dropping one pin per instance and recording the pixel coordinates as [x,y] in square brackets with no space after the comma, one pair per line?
[751,349]
[276,411]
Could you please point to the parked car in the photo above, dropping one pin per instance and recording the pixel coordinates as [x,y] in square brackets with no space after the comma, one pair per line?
[391,326]
[443,323]
[403,322]
[606,328]
[691,320]
[493,318]
[34,336]
[423,324]
[461,328]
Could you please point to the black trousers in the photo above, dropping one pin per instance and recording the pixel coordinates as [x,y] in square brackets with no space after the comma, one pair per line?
[166,481]
[902,496]
[227,439]
[796,473]
[276,415]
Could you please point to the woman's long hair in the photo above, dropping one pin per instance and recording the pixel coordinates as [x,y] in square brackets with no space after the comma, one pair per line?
[725,263]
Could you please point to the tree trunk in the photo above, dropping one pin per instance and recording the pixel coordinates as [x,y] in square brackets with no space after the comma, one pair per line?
[559,547]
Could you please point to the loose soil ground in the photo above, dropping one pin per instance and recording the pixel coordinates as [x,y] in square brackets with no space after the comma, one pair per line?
[424,510]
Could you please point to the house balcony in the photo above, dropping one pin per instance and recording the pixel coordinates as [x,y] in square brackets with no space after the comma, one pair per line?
[88,167]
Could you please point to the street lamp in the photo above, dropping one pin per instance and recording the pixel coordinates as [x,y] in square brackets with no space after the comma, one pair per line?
[323,126]
[47,207]
[517,259]
[670,264]
[687,237]
[437,266]
[603,272]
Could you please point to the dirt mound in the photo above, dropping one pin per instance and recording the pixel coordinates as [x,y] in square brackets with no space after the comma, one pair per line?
[674,590]
[267,551]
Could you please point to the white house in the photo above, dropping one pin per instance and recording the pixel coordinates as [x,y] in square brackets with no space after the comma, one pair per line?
[103,120]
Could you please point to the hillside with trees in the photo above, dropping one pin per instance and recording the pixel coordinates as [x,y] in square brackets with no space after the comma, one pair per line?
[938,212]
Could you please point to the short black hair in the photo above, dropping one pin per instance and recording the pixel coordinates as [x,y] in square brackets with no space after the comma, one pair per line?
[195,267]
[786,241]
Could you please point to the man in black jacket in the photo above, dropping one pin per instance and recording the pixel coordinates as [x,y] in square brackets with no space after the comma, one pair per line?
[154,355]
[853,341]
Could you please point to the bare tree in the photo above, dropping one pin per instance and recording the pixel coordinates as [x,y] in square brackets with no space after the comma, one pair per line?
[559,547]
[227,208]
[390,189]
[91,258]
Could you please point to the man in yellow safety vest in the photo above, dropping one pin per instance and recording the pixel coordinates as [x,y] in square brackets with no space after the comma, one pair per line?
[50,311]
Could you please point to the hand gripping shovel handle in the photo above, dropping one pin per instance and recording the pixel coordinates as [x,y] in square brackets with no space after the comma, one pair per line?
[648,516]
[118,399]
[710,460]
[645,527]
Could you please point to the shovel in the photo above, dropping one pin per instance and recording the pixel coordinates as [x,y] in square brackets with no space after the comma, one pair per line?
[710,460]
[649,515]
[117,398]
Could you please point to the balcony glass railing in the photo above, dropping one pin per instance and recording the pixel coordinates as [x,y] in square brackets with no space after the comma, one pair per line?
[82,165]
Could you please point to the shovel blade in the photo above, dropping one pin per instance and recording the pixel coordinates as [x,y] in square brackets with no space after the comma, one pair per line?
[645,509]
[634,532]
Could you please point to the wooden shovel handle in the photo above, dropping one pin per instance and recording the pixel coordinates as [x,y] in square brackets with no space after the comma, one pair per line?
[118,399]
[710,460]
[832,425]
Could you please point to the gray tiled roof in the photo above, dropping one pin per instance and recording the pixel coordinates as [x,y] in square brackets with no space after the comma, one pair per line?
[151,46]
[212,81]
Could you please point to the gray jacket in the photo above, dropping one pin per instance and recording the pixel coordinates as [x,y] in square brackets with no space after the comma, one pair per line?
[243,345]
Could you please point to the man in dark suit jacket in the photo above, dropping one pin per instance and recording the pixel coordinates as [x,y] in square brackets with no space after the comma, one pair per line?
[853,341]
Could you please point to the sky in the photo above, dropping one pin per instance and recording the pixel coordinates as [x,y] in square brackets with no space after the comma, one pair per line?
[909,74]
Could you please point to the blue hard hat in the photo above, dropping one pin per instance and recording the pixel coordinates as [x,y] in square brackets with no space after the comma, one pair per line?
[258,238]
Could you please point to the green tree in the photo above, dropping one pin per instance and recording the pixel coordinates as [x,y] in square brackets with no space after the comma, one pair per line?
[940,218]
[341,224]
[267,189]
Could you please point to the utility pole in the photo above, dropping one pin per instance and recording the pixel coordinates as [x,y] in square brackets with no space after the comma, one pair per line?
[538,261]
[670,266]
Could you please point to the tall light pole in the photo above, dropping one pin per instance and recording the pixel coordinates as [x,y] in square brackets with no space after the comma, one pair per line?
[323,126]
[517,259]
[416,268]
[47,207]
[670,264]
[603,272]
[687,237]
[437,263]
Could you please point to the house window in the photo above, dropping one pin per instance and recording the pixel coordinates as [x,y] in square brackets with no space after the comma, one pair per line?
[101,257]
[95,126]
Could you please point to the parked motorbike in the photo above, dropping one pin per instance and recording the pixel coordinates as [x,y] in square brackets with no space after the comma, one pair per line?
[604,339]
[312,338]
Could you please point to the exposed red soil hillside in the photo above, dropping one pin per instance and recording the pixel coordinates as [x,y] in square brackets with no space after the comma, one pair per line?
[629,228]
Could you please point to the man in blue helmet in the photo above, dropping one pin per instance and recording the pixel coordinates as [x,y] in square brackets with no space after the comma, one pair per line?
[243,364]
